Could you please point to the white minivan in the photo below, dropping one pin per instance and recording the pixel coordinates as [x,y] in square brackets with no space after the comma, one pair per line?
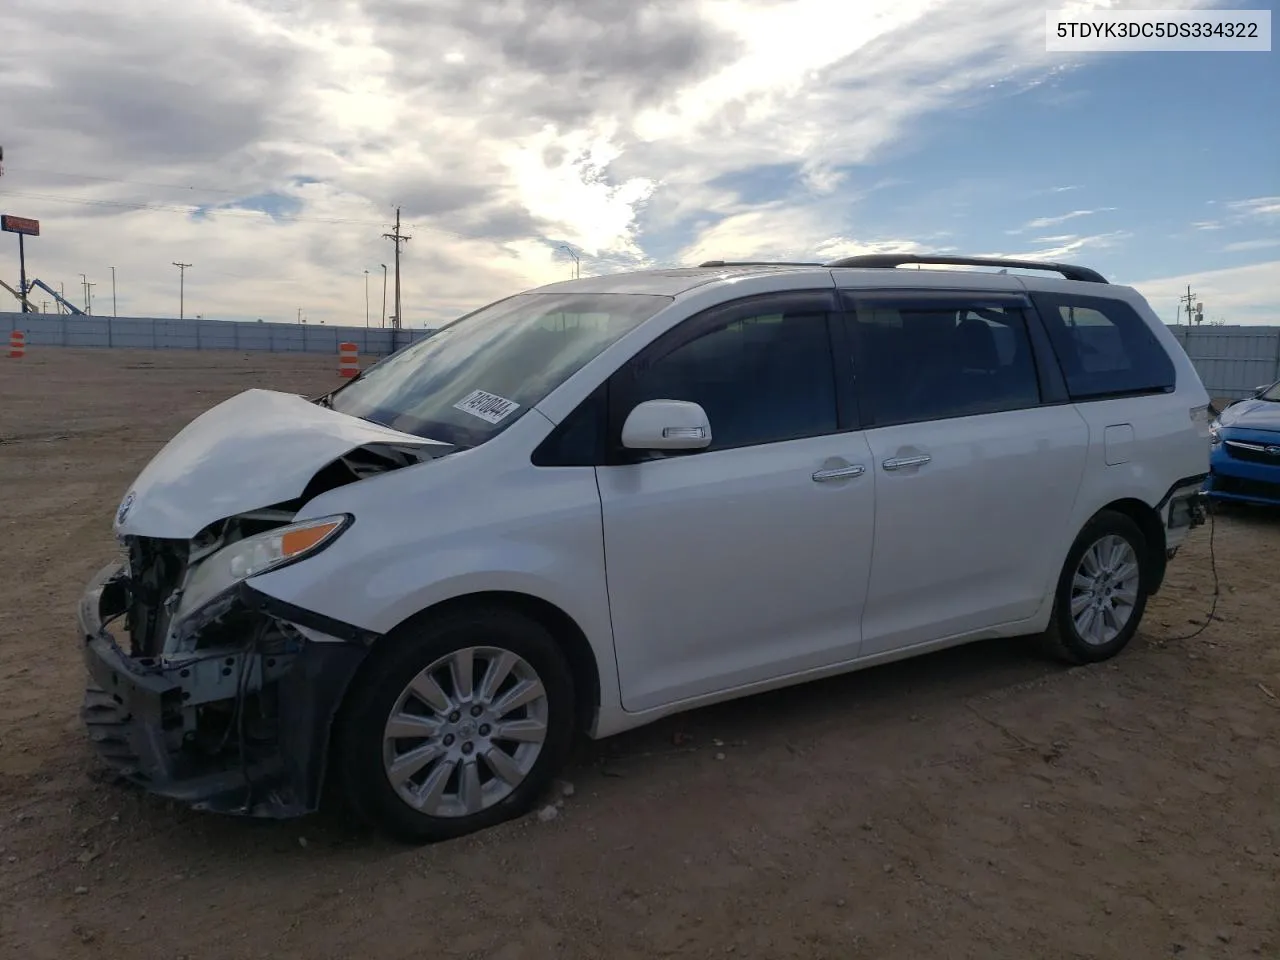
[587,506]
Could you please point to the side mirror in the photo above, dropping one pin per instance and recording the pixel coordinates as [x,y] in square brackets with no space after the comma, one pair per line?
[1259,391]
[666,425]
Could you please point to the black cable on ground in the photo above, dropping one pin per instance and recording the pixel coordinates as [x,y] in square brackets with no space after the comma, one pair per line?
[1213,568]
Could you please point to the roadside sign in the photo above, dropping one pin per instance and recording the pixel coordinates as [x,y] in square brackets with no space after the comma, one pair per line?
[24,225]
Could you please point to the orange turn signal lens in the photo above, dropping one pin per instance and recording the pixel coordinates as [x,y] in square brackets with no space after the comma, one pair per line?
[300,541]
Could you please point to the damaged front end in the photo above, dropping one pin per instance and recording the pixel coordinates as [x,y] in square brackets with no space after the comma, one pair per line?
[227,705]
[202,688]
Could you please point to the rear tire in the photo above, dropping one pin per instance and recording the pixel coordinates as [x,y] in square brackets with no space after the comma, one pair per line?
[1102,591]
[429,746]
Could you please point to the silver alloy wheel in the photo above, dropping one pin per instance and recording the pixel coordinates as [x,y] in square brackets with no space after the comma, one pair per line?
[1104,590]
[465,732]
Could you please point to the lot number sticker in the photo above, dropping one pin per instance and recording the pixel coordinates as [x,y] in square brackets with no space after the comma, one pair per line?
[487,406]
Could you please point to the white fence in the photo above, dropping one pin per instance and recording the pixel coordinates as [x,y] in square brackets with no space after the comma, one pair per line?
[146,333]
[1232,360]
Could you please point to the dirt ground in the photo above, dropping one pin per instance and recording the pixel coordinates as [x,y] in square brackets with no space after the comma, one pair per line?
[978,803]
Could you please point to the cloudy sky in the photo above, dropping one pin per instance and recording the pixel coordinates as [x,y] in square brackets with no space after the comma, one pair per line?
[267,142]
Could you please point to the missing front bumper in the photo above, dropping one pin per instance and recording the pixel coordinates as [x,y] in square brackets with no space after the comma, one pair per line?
[1188,510]
[240,730]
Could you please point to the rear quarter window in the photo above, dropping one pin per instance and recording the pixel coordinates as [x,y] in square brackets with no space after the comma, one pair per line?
[1104,347]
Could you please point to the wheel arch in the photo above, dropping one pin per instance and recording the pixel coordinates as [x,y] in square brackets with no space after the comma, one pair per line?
[337,778]
[568,634]
[1152,527]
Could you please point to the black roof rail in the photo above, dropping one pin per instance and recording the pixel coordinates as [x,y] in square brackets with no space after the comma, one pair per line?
[874,260]
[759,263]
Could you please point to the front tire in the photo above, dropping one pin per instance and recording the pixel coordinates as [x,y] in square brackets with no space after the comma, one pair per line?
[457,724]
[1102,591]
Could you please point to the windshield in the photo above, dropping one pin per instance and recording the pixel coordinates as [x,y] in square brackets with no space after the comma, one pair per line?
[1272,393]
[472,379]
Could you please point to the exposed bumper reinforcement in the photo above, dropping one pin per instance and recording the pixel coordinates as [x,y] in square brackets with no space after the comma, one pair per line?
[150,719]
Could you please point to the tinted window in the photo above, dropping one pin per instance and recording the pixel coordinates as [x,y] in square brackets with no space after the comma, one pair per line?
[761,378]
[581,438]
[1104,346]
[478,375]
[944,360]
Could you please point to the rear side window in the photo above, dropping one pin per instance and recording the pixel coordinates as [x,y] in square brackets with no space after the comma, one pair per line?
[943,359]
[1104,346]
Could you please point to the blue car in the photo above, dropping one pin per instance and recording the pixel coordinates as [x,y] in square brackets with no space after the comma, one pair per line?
[1244,462]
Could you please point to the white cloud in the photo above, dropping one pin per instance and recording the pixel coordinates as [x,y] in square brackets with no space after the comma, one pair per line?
[1266,207]
[504,130]
[1248,295]
[779,232]
[575,194]
[1041,222]
[1245,215]
[1244,245]
[1065,247]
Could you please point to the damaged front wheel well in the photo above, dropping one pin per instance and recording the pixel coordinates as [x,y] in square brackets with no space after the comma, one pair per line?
[574,643]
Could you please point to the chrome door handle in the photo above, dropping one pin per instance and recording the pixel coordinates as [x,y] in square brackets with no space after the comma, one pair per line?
[898,463]
[839,473]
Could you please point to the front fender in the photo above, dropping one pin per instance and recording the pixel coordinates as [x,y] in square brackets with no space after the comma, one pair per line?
[530,530]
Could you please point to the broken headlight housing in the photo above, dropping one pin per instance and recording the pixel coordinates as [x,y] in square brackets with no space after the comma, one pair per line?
[257,554]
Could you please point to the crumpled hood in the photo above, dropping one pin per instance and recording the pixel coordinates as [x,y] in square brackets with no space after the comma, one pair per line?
[255,450]
[1252,415]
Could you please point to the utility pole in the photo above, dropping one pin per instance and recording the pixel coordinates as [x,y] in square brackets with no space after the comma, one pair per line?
[88,299]
[84,289]
[1189,300]
[384,294]
[300,320]
[22,271]
[366,299]
[113,293]
[182,288]
[398,238]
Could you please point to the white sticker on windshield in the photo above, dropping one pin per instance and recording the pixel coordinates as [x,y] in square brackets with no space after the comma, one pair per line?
[487,406]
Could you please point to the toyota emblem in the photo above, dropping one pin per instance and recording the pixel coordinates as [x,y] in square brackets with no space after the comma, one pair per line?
[125,504]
